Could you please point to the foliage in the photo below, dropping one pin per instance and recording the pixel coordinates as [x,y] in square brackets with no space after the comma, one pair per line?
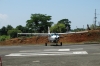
[13,33]
[98,27]
[23,29]
[3,31]
[58,28]
[66,22]
[92,26]
[4,37]
[78,29]
[9,27]
[39,22]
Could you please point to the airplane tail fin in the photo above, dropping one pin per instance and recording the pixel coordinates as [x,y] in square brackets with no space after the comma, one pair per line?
[48,30]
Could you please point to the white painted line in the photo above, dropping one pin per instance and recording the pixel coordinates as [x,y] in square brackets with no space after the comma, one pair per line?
[36,61]
[50,50]
[54,52]
[14,55]
[47,53]
[80,52]
[36,54]
[64,50]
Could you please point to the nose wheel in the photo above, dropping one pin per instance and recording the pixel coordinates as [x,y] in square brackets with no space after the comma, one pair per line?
[45,44]
[60,43]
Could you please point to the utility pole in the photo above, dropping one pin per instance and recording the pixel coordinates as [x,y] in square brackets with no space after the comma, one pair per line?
[95,18]
[83,27]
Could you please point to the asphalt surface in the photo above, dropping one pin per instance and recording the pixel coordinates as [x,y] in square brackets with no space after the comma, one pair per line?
[39,55]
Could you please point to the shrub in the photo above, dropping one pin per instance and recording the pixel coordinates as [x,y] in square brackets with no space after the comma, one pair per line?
[13,33]
[4,37]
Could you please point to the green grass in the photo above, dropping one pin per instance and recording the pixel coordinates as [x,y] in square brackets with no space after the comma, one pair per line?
[4,37]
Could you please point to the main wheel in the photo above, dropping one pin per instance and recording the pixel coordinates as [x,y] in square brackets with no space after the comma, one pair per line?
[45,44]
[61,43]
[56,44]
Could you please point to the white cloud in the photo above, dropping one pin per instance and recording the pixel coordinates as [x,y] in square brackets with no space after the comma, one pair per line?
[4,20]
[3,16]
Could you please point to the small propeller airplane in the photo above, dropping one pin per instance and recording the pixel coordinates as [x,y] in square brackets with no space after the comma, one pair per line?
[52,37]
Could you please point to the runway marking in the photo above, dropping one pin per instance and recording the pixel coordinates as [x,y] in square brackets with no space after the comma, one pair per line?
[57,50]
[45,50]
[47,53]
[51,50]
[78,52]
[36,61]
[64,50]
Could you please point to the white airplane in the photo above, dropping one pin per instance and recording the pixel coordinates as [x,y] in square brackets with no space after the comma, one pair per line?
[52,37]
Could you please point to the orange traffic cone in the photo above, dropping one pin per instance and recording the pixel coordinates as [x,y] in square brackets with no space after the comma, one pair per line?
[0,62]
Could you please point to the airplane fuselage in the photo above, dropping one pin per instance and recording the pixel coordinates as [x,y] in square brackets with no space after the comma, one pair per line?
[54,38]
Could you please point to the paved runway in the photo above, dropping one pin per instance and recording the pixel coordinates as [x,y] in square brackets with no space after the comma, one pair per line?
[39,55]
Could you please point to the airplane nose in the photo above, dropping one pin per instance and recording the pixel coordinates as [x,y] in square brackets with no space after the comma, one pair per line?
[57,38]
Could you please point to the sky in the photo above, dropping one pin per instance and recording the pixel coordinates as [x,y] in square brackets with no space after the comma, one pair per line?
[79,12]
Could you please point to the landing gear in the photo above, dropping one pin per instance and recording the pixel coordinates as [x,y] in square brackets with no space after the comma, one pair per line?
[60,43]
[45,44]
[55,45]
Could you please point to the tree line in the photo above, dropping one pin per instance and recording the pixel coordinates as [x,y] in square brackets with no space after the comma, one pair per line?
[38,23]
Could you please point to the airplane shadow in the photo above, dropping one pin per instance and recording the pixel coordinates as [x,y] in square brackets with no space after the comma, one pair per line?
[55,45]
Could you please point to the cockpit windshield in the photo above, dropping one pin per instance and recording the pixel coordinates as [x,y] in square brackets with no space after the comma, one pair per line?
[54,34]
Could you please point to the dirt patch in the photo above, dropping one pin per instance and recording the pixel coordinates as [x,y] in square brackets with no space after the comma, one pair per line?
[90,36]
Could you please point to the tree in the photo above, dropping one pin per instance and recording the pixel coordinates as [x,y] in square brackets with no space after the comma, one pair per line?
[66,22]
[3,31]
[58,28]
[22,28]
[13,33]
[39,22]
[19,27]
[9,27]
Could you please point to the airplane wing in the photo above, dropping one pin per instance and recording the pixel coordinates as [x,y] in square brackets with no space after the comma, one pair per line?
[46,34]
[39,34]
[73,32]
